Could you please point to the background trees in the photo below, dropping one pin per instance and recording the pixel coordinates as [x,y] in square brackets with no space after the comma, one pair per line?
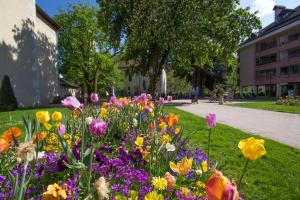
[84,51]
[187,34]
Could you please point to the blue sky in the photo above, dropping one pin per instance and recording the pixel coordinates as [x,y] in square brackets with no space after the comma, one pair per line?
[264,7]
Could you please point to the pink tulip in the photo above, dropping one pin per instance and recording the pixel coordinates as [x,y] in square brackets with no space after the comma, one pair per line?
[97,127]
[61,129]
[169,98]
[71,102]
[94,97]
[171,180]
[230,192]
[211,120]
[161,101]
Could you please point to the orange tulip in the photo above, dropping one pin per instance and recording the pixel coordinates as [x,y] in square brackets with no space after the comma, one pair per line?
[173,120]
[218,187]
[7,135]
[3,145]
[183,167]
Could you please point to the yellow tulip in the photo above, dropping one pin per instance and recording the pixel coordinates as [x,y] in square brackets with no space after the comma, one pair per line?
[103,113]
[139,141]
[183,167]
[56,116]
[42,116]
[252,148]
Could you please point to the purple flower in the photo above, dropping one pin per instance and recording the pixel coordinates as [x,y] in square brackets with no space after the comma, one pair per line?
[169,98]
[71,102]
[61,129]
[161,101]
[97,127]
[211,120]
[94,97]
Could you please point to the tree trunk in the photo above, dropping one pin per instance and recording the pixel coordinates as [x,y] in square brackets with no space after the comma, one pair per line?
[96,81]
[153,70]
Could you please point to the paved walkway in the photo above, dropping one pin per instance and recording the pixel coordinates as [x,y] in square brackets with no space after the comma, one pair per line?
[282,127]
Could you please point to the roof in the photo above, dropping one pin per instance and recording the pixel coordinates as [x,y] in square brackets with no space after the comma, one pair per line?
[65,83]
[293,15]
[51,21]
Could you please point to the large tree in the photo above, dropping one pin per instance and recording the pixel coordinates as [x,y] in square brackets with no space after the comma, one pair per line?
[183,33]
[84,51]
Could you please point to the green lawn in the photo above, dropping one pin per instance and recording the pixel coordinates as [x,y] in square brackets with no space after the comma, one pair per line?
[275,176]
[268,106]
[17,115]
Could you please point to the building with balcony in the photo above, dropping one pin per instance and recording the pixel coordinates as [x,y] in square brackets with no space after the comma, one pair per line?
[270,59]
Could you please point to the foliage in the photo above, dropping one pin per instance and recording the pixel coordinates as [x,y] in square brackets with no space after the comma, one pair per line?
[289,101]
[84,51]
[8,100]
[125,148]
[179,33]
[176,84]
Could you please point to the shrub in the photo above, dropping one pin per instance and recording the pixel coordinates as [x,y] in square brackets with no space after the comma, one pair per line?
[289,101]
[8,100]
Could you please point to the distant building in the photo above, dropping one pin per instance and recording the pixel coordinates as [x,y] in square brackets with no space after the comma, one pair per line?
[137,83]
[270,59]
[28,38]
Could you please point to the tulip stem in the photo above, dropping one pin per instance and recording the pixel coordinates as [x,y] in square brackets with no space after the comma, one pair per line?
[246,165]
[90,167]
[82,136]
[208,146]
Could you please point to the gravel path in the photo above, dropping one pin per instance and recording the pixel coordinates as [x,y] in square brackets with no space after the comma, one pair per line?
[282,127]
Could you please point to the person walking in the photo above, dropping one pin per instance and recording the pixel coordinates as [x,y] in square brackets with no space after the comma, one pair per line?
[197,94]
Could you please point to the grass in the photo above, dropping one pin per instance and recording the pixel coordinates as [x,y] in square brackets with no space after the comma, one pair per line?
[269,106]
[275,176]
[17,117]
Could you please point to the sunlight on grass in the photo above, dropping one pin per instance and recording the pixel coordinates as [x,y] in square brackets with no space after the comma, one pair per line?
[272,177]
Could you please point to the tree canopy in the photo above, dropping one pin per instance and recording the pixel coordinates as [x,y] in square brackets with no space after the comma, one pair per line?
[84,51]
[182,33]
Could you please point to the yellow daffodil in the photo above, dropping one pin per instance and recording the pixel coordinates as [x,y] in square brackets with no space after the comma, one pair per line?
[252,148]
[56,116]
[42,116]
[165,139]
[159,183]
[177,130]
[183,167]
[153,196]
[47,126]
[139,141]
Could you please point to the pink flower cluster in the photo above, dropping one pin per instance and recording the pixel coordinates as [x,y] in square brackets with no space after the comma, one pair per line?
[97,127]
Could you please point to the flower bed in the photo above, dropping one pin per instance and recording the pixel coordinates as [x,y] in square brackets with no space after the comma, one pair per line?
[123,149]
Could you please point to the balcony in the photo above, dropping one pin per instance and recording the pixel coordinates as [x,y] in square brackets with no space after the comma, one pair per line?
[290,45]
[263,49]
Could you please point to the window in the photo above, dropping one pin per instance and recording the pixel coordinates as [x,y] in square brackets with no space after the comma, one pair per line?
[295,69]
[265,74]
[284,70]
[294,37]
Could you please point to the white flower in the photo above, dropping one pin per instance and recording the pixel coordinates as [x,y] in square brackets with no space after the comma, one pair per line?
[101,187]
[88,120]
[135,122]
[199,172]
[170,147]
